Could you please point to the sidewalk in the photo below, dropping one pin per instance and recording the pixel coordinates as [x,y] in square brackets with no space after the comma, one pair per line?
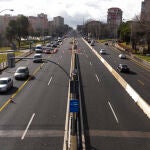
[132,56]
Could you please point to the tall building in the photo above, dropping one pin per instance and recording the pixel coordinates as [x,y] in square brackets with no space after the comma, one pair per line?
[40,22]
[114,19]
[4,20]
[58,21]
[145,11]
[114,16]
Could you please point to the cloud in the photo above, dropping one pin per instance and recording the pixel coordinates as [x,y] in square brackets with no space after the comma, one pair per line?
[73,11]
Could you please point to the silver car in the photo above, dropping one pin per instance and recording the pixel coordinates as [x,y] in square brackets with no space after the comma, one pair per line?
[22,73]
[6,83]
[102,51]
[37,58]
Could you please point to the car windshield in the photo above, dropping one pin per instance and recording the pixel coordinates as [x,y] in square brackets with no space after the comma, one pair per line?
[124,66]
[38,56]
[21,70]
[38,47]
[3,81]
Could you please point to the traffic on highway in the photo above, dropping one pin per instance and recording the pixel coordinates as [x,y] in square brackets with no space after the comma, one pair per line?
[34,101]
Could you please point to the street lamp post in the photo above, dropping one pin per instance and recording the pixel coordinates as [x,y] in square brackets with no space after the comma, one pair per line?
[6,9]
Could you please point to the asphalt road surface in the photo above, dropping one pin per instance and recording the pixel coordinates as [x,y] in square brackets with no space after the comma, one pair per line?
[112,120]
[36,118]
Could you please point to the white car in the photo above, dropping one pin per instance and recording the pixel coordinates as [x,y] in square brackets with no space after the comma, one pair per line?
[22,73]
[102,51]
[37,58]
[39,48]
[122,56]
[6,83]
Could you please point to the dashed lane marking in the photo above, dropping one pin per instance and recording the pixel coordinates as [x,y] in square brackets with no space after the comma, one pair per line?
[113,112]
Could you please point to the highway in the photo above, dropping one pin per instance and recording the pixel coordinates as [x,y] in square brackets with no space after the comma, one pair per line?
[36,118]
[138,78]
[111,118]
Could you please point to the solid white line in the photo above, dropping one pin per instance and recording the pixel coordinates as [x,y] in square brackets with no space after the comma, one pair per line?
[27,126]
[113,112]
[50,81]
[97,77]
[66,133]
[90,63]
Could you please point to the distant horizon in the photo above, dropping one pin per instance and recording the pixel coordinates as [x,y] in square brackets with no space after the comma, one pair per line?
[73,12]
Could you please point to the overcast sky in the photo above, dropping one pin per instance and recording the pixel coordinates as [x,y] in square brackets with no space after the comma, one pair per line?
[73,11]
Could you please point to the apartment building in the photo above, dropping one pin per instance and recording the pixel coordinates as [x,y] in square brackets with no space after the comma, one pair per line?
[4,20]
[114,19]
[58,21]
[145,11]
[40,22]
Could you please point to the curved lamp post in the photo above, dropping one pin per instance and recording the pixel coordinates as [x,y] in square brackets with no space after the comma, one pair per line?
[6,9]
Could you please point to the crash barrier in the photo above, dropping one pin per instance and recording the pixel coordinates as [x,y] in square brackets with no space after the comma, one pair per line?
[135,96]
[74,136]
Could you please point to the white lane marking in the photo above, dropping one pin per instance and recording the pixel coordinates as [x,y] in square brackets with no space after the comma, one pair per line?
[90,63]
[97,77]
[50,81]
[66,133]
[28,126]
[113,112]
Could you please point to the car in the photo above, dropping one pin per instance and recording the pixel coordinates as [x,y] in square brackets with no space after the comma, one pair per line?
[6,83]
[37,58]
[122,56]
[22,73]
[106,43]
[123,68]
[39,48]
[92,43]
[48,45]
[102,51]
[48,50]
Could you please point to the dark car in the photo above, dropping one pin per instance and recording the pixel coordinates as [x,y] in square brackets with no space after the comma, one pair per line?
[123,68]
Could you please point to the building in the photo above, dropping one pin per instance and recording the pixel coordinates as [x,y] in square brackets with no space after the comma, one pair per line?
[145,11]
[4,20]
[114,19]
[114,16]
[39,23]
[58,21]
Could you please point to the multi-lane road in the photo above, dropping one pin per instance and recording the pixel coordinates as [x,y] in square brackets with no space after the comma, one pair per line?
[111,119]
[36,118]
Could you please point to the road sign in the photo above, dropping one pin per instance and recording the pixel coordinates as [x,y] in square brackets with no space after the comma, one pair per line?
[74,105]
